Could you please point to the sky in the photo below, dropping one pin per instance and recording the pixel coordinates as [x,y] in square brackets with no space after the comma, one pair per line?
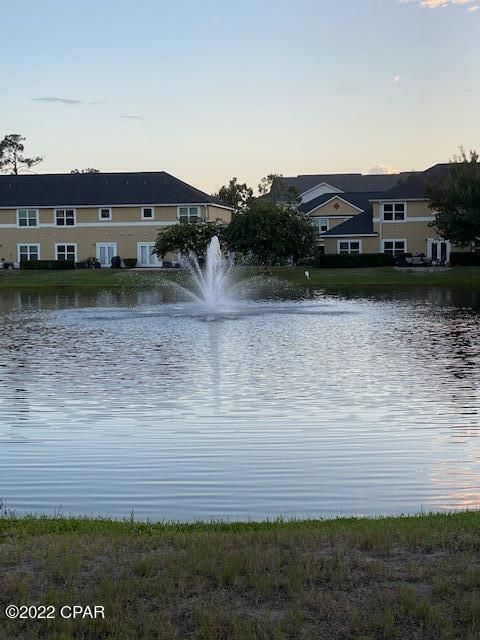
[212,89]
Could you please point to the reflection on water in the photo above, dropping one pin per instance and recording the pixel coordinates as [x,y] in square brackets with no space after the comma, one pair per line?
[338,404]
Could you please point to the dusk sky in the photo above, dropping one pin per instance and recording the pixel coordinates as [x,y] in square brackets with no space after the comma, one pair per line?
[214,89]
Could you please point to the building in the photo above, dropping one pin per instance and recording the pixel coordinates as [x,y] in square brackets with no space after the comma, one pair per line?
[358,213]
[77,216]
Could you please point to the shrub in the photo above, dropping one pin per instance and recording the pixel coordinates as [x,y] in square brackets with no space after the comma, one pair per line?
[458,259]
[47,264]
[130,262]
[349,261]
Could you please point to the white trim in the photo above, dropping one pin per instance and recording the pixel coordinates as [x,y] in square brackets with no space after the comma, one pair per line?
[97,250]
[317,220]
[27,244]
[64,226]
[393,203]
[336,197]
[321,184]
[100,209]
[438,241]
[105,206]
[190,206]
[412,219]
[405,250]
[139,262]
[400,200]
[37,218]
[147,223]
[359,240]
[63,244]
[144,217]
[351,235]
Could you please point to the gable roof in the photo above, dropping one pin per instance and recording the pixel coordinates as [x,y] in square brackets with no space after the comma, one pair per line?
[348,182]
[99,189]
[360,200]
[414,186]
[361,224]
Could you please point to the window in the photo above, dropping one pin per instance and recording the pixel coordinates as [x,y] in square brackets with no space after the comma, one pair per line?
[476,245]
[28,252]
[27,217]
[394,247]
[188,214]
[322,224]
[66,252]
[105,214]
[394,211]
[147,213]
[65,217]
[349,247]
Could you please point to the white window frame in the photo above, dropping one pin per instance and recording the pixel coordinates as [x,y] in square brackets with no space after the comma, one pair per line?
[318,224]
[404,240]
[393,204]
[27,226]
[189,206]
[64,244]
[349,246]
[152,217]
[65,209]
[100,209]
[27,244]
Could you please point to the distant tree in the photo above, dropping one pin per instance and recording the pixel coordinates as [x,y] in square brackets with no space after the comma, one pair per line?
[87,170]
[274,186]
[188,237]
[12,159]
[270,233]
[237,195]
[265,184]
[456,200]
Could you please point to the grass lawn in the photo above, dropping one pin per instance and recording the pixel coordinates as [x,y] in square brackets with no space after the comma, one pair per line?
[460,277]
[407,578]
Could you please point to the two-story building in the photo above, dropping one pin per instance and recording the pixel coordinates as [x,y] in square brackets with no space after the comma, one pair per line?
[77,216]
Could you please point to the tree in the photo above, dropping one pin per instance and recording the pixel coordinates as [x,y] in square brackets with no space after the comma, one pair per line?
[266,183]
[87,170]
[274,187]
[188,237]
[12,159]
[456,200]
[271,233]
[237,195]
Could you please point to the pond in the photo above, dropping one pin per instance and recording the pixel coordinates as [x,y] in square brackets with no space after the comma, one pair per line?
[120,403]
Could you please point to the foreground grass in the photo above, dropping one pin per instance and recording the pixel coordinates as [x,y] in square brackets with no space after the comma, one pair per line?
[409,577]
[459,277]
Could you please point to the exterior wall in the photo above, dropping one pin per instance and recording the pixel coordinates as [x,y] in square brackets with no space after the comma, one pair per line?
[335,207]
[319,190]
[333,221]
[126,229]
[368,244]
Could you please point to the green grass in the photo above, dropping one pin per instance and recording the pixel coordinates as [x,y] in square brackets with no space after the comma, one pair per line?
[459,277]
[81,278]
[408,577]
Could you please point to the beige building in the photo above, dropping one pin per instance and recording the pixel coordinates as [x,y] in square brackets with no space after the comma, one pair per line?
[77,216]
[384,214]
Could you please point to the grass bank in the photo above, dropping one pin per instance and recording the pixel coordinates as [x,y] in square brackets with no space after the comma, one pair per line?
[459,277]
[409,577]
[75,278]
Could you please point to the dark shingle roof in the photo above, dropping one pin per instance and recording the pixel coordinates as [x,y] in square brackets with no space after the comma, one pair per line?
[97,189]
[359,225]
[414,186]
[358,199]
[344,181]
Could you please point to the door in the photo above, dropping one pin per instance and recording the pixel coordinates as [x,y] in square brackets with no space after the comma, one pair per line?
[105,253]
[438,250]
[145,256]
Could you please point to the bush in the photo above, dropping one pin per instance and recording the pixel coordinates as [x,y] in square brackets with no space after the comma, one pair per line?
[130,262]
[349,261]
[464,259]
[47,264]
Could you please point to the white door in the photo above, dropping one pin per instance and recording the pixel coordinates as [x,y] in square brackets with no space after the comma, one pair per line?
[145,256]
[105,253]
[438,250]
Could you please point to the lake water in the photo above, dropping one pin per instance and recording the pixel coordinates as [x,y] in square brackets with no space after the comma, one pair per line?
[364,404]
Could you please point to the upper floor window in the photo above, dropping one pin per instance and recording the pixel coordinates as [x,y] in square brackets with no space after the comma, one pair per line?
[394,211]
[352,247]
[105,213]
[322,224]
[65,217]
[188,214]
[27,218]
[394,247]
[147,213]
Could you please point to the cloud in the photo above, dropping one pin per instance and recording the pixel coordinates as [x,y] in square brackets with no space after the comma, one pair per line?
[438,4]
[132,117]
[396,79]
[57,99]
[475,7]
[383,169]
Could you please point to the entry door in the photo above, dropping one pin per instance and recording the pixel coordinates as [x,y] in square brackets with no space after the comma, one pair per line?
[145,256]
[439,250]
[105,253]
